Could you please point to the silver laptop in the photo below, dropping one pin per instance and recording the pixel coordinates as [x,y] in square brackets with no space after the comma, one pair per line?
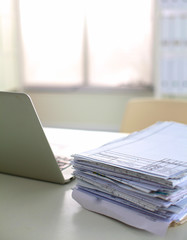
[24,148]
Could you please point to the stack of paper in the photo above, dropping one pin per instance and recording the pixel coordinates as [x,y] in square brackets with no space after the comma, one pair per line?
[140,180]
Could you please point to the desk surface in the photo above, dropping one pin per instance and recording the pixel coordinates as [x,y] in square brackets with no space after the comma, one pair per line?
[39,210]
[32,209]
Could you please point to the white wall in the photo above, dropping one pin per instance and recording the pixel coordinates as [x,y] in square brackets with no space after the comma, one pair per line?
[83,110]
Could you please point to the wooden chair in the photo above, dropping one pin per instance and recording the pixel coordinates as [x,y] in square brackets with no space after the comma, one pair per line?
[141,113]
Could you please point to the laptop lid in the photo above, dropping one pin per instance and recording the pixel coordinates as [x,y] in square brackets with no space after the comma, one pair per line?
[24,149]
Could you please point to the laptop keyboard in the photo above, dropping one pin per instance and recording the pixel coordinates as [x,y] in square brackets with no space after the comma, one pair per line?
[63,162]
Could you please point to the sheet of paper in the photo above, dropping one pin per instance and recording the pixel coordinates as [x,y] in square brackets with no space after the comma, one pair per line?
[121,213]
[161,151]
[145,201]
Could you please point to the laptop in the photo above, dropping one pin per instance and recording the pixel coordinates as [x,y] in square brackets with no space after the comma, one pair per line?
[24,148]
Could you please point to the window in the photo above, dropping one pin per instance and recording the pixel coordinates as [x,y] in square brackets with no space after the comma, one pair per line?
[95,43]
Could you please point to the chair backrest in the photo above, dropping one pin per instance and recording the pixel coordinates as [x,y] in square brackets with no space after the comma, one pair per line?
[141,113]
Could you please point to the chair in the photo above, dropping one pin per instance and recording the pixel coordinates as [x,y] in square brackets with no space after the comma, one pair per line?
[140,113]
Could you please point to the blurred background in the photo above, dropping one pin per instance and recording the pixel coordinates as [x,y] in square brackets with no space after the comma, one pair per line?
[81,61]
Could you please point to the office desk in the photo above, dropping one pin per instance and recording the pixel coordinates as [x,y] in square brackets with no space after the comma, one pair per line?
[36,210]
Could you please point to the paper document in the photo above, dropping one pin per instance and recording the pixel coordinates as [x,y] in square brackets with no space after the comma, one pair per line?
[146,172]
[159,150]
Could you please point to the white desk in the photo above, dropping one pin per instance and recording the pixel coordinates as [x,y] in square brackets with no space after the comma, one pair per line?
[36,210]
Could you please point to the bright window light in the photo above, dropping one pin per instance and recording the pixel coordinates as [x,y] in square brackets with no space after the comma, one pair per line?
[100,43]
